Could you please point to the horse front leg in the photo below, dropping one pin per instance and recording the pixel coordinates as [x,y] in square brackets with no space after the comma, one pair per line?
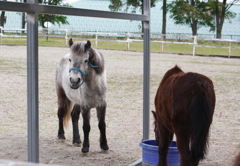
[101,112]
[75,117]
[86,129]
[63,106]
[165,139]
[61,133]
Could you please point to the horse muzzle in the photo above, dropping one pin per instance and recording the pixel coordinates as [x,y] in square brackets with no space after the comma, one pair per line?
[75,83]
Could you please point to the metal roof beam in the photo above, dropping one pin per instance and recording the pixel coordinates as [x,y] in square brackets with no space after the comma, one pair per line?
[61,10]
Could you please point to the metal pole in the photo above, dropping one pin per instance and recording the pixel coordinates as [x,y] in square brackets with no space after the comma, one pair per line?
[32,84]
[229,50]
[66,36]
[163,37]
[1,35]
[128,41]
[96,42]
[194,45]
[146,71]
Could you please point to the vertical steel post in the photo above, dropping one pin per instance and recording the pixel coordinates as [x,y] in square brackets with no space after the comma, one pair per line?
[146,70]
[194,45]
[229,50]
[1,35]
[163,37]
[32,84]
[96,41]
[128,41]
[66,36]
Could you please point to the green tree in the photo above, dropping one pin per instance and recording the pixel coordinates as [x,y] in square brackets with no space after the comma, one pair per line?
[125,5]
[42,18]
[221,12]
[164,17]
[2,18]
[194,13]
[53,19]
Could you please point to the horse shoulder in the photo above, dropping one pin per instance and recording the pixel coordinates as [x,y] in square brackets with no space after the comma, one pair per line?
[94,93]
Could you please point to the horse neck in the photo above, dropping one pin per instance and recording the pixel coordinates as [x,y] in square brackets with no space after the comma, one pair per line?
[90,75]
[93,79]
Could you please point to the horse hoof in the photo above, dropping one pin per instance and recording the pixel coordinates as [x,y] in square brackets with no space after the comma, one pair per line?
[84,154]
[104,147]
[85,150]
[61,140]
[77,144]
[61,137]
[104,151]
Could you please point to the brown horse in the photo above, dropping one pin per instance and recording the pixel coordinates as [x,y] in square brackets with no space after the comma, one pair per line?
[184,106]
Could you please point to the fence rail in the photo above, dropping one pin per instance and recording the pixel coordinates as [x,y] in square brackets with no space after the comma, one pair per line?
[128,38]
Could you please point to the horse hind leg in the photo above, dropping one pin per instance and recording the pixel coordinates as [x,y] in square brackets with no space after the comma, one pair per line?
[86,129]
[75,117]
[101,112]
[183,148]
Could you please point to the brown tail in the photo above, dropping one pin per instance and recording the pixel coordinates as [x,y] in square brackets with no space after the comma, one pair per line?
[200,119]
[67,115]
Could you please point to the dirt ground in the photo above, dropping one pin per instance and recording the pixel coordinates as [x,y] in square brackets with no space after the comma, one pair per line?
[124,111]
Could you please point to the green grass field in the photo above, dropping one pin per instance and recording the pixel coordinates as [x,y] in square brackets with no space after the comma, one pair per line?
[138,46]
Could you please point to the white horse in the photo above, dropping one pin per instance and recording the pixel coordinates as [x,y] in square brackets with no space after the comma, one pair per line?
[81,85]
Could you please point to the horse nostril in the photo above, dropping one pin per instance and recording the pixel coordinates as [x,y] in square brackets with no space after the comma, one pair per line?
[78,80]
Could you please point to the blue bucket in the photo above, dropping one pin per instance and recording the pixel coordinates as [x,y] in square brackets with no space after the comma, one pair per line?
[150,155]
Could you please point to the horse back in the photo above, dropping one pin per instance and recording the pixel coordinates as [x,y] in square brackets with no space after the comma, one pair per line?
[175,94]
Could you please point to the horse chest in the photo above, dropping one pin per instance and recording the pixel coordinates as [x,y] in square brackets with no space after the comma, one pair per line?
[74,96]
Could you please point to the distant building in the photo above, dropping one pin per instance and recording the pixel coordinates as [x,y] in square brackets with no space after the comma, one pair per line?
[230,30]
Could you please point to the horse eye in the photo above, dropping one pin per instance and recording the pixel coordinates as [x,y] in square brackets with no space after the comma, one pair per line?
[86,61]
[70,60]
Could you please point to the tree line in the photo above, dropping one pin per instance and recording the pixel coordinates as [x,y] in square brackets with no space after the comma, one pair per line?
[192,13]
[42,18]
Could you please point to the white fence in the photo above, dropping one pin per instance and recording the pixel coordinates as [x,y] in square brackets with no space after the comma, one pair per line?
[127,38]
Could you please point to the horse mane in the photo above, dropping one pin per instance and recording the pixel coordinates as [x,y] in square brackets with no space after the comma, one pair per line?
[96,59]
[155,118]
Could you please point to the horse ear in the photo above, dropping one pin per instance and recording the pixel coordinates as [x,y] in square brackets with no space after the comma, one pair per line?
[154,114]
[70,42]
[87,45]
